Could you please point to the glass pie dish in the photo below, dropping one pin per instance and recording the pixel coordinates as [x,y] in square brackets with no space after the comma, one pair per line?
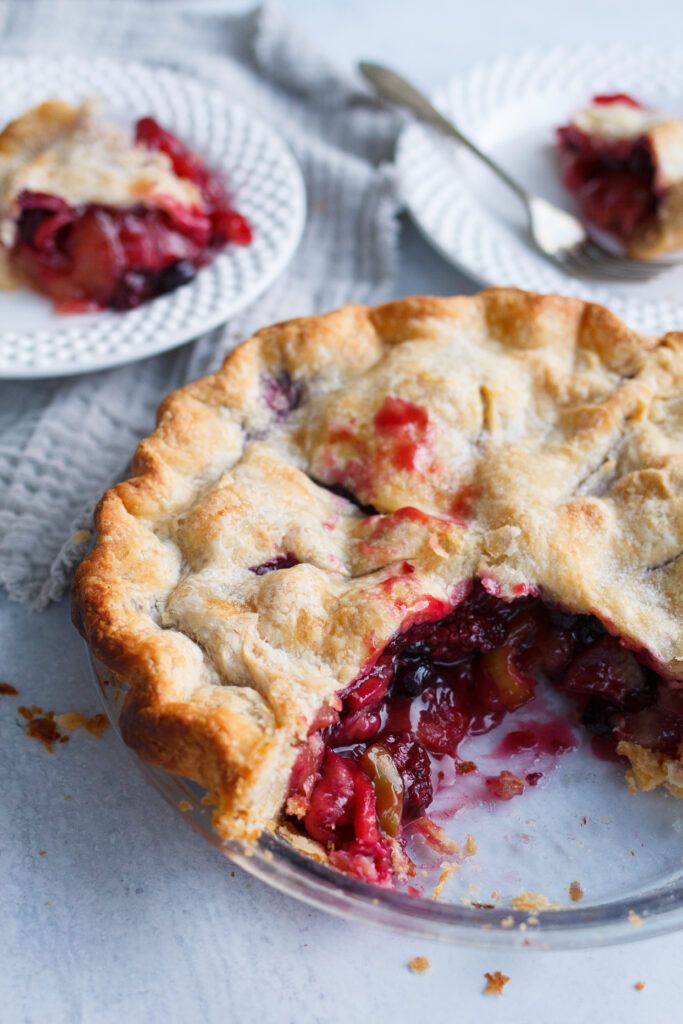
[577,861]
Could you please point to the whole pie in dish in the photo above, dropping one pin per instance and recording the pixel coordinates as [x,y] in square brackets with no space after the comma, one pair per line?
[95,219]
[375,533]
[624,164]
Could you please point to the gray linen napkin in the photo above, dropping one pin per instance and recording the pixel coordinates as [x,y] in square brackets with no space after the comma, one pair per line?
[62,442]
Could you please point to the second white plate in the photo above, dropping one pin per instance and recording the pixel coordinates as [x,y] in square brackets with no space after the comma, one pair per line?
[512,108]
[263,178]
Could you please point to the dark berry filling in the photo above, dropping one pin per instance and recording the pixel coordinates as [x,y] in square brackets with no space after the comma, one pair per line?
[284,561]
[100,257]
[282,394]
[370,769]
[614,181]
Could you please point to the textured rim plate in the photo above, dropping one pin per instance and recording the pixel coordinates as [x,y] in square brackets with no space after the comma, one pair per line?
[264,180]
[511,109]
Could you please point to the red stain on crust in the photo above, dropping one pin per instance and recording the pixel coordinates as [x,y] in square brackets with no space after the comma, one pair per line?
[402,431]
[462,507]
[406,426]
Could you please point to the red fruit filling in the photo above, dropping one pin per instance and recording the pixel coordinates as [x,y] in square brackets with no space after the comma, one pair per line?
[613,180]
[95,256]
[284,561]
[372,768]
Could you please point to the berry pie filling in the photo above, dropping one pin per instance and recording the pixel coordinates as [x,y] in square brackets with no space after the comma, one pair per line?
[95,255]
[609,164]
[372,765]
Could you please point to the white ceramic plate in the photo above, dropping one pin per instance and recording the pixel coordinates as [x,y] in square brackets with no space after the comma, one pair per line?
[264,180]
[511,108]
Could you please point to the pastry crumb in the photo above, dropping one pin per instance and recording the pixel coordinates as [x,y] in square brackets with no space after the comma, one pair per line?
[73,720]
[419,964]
[41,726]
[533,901]
[8,690]
[575,892]
[507,922]
[42,853]
[495,983]
[45,726]
[446,871]
[532,920]
[437,838]
[639,986]
[96,725]
[634,919]
[184,805]
[470,845]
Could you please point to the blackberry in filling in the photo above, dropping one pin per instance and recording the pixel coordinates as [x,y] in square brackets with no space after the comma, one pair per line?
[367,771]
[94,256]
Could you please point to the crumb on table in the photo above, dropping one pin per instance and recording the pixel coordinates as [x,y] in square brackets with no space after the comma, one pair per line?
[73,720]
[495,983]
[639,986]
[45,726]
[8,690]
[575,892]
[634,919]
[419,964]
[41,726]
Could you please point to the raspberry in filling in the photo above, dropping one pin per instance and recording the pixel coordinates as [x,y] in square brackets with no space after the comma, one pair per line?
[613,178]
[95,256]
[373,767]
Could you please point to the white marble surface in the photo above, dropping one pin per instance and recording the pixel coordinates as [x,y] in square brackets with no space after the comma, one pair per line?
[128,915]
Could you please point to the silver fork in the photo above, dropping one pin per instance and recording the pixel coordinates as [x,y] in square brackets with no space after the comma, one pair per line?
[557,235]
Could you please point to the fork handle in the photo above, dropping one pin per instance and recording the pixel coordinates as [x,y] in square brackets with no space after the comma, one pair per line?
[396,89]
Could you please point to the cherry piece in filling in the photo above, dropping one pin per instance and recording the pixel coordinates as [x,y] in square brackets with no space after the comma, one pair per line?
[94,256]
[370,769]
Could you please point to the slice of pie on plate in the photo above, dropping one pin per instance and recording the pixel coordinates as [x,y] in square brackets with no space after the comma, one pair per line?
[376,532]
[96,219]
[624,164]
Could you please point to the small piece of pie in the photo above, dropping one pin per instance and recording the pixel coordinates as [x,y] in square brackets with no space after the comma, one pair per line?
[624,165]
[97,220]
[375,533]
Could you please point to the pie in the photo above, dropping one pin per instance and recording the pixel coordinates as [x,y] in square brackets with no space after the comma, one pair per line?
[375,532]
[624,164]
[97,220]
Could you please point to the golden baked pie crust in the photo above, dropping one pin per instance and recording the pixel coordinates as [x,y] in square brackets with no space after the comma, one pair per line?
[554,431]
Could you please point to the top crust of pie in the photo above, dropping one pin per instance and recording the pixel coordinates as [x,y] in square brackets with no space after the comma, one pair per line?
[65,151]
[540,439]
